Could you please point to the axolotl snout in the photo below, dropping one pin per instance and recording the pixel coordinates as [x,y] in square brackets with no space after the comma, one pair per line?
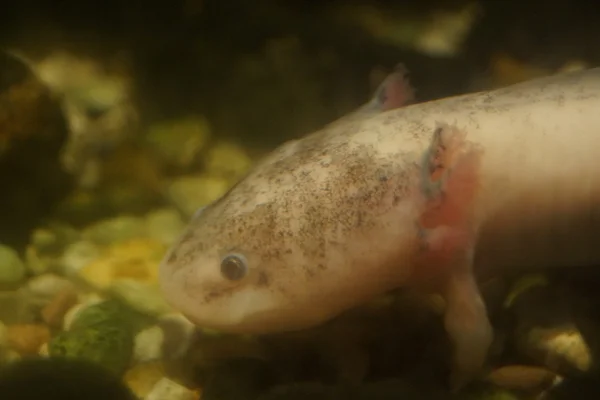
[417,196]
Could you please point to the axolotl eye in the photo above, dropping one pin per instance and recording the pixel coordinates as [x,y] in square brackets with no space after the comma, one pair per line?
[234,267]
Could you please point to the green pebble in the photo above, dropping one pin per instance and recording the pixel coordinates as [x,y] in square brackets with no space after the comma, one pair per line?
[12,268]
[103,344]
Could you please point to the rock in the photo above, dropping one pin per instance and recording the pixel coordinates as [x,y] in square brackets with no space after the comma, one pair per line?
[545,327]
[561,349]
[115,230]
[148,344]
[43,253]
[190,192]
[179,142]
[77,256]
[54,312]
[98,105]
[54,239]
[74,312]
[12,268]
[33,131]
[164,225]
[227,159]
[109,346]
[16,307]
[134,259]
[107,312]
[26,339]
[166,389]
[107,342]
[522,378]
[141,378]
[45,287]
[142,297]
[38,264]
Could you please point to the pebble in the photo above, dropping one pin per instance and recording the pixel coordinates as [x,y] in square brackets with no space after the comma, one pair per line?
[78,255]
[12,268]
[54,240]
[54,312]
[190,192]
[563,349]
[109,344]
[178,142]
[142,377]
[164,225]
[115,230]
[15,307]
[46,286]
[142,297]
[523,378]
[42,255]
[166,389]
[74,312]
[148,344]
[227,159]
[38,264]
[26,339]
[136,259]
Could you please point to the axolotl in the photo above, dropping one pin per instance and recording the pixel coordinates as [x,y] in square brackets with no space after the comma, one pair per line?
[420,196]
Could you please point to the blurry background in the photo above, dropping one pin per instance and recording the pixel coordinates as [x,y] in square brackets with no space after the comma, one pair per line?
[173,76]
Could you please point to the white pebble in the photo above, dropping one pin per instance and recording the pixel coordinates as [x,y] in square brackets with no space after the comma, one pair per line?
[12,268]
[148,345]
[78,255]
[47,286]
[166,389]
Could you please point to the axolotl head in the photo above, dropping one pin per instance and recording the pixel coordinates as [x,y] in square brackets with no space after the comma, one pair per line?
[287,246]
[291,245]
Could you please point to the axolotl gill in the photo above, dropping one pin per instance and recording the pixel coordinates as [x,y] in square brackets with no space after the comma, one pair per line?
[411,196]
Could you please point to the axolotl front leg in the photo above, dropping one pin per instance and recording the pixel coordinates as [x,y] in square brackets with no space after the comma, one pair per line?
[449,183]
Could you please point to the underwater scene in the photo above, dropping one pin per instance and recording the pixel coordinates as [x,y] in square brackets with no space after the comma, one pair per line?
[281,200]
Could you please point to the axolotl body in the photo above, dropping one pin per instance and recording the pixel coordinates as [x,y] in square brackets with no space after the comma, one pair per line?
[419,196]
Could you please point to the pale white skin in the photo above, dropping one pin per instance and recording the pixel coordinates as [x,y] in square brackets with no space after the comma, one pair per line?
[328,222]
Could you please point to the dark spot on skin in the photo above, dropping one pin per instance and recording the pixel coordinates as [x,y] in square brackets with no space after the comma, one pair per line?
[216,294]
[309,273]
[187,237]
[321,266]
[263,279]
[211,296]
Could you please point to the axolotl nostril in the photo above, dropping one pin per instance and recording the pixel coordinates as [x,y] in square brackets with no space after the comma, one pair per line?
[416,196]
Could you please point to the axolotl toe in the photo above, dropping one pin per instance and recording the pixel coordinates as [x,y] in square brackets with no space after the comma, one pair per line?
[415,196]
